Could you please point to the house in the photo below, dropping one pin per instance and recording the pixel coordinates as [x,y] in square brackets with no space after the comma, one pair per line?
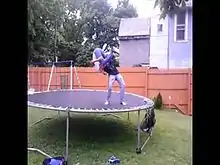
[165,43]
[180,38]
[159,41]
[171,39]
[134,41]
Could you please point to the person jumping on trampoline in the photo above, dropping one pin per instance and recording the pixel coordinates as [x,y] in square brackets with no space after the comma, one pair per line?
[105,64]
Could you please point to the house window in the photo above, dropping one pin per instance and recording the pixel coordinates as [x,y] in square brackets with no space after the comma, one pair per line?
[64,81]
[181,26]
[159,27]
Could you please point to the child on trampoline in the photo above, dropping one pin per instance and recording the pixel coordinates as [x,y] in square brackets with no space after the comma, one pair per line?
[105,64]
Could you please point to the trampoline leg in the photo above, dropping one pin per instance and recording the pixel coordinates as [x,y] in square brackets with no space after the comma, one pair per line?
[41,120]
[128,116]
[112,115]
[138,149]
[39,151]
[67,134]
[59,113]
[150,134]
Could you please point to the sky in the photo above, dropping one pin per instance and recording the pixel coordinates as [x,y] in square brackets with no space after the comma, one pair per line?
[145,8]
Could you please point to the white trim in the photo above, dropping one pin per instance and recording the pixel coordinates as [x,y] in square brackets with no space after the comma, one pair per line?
[186,27]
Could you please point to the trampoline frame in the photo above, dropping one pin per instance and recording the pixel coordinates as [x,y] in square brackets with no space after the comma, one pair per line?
[84,110]
[146,107]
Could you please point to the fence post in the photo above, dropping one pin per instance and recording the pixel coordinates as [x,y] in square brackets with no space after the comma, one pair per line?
[146,83]
[189,92]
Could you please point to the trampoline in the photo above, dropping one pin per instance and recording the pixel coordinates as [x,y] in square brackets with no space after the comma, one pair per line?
[88,101]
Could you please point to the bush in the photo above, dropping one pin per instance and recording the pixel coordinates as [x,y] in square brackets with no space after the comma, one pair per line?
[154,99]
[158,102]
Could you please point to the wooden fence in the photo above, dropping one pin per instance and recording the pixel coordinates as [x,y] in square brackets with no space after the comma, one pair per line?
[175,85]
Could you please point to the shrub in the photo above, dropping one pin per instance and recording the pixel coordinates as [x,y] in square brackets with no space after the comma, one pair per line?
[158,102]
[154,99]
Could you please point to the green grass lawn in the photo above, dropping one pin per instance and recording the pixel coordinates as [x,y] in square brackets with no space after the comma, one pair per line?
[93,138]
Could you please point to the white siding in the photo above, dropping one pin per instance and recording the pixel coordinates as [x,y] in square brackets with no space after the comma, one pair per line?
[158,42]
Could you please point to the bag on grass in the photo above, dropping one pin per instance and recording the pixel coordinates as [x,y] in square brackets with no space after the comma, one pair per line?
[54,161]
[149,121]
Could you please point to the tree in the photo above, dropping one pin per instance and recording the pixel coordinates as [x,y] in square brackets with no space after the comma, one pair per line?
[125,10]
[71,29]
[167,6]
[98,16]
[42,16]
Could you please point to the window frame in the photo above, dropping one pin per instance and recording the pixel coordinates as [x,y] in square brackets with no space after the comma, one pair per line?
[186,28]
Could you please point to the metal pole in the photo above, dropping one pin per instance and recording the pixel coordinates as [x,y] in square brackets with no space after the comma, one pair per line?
[55,40]
[41,152]
[146,142]
[67,133]
[51,73]
[55,47]
[56,80]
[77,77]
[71,75]
[168,45]
[55,72]
[138,140]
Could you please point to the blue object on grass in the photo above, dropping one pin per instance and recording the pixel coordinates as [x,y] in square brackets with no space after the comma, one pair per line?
[113,161]
[54,161]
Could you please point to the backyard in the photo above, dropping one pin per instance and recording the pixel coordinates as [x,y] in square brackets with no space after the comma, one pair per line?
[93,138]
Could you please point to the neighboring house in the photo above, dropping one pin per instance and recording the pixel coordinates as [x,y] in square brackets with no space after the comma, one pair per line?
[134,38]
[180,38]
[165,43]
[171,39]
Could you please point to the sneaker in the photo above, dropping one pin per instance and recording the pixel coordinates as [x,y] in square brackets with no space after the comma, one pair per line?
[106,102]
[122,103]
[145,130]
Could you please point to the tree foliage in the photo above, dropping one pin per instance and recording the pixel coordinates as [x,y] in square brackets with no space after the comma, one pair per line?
[71,29]
[167,6]
[125,10]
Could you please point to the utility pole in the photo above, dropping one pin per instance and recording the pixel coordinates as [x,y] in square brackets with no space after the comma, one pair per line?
[55,40]
[168,44]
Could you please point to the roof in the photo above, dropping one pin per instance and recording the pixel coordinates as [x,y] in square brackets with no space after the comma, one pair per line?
[134,27]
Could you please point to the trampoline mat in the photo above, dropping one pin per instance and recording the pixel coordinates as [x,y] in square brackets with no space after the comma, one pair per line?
[85,99]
